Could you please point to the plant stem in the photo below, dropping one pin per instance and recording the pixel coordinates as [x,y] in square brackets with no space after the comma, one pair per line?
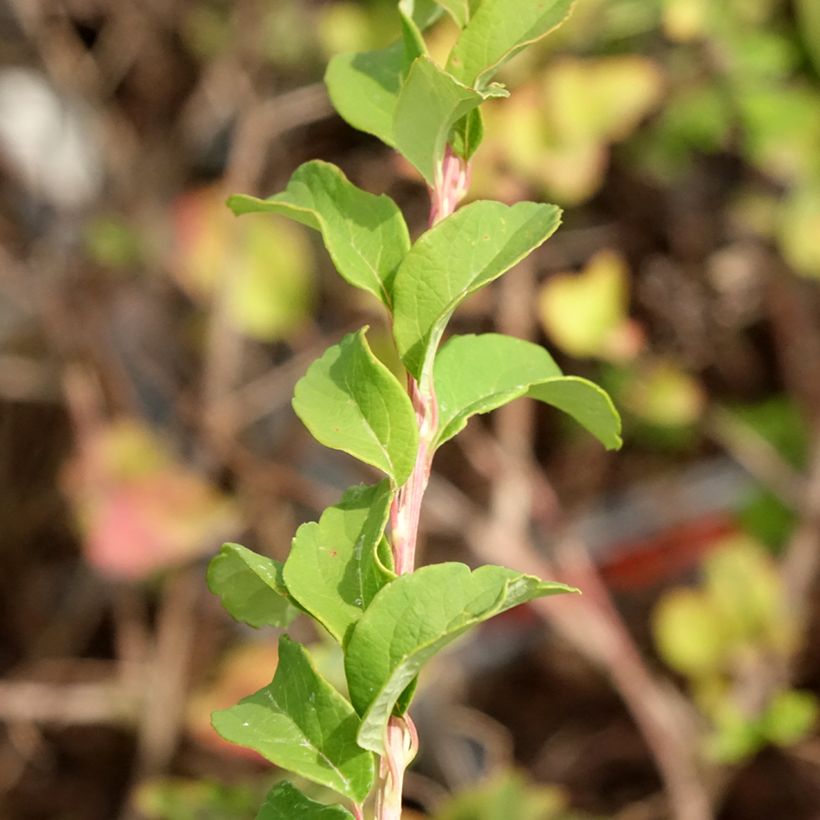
[452,183]
[401,741]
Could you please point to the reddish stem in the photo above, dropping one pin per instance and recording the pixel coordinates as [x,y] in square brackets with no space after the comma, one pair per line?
[401,740]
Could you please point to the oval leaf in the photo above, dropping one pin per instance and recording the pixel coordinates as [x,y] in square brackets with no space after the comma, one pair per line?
[351,402]
[416,16]
[364,88]
[497,31]
[250,587]
[587,403]
[477,374]
[301,723]
[414,617]
[286,802]
[431,102]
[453,259]
[459,10]
[333,569]
[365,235]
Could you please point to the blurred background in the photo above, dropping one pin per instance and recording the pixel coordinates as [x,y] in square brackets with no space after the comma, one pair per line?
[149,344]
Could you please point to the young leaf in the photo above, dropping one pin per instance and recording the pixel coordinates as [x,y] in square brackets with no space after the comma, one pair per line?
[467,134]
[250,587]
[477,374]
[497,31]
[453,259]
[286,802]
[587,403]
[364,88]
[416,16]
[459,10]
[431,102]
[333,569]
[351,402]
[414,617]
[365,235]
[301,723]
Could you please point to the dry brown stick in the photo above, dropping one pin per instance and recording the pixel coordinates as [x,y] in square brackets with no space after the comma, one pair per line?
[67,704]
[755,454]
[799,565]
[259,125]
[794,310]
[167,680]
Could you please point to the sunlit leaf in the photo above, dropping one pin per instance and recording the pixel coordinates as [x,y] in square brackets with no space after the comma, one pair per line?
[300,722]
[250,587]
[429,105]
[364,88]
[351,402]
[333,568]
[477,374]
[412,619]
[455,258]
[365,235]
[497,31]
[286,802]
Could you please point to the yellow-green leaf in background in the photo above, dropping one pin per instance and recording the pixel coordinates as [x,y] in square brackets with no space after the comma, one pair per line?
[661,394]
[689,633]
[506,795]
[557,133]
[585,314]
[799,230]
[685,20]
[264,263]
[743,582]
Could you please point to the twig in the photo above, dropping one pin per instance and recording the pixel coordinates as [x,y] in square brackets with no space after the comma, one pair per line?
[66,704]
[755,454]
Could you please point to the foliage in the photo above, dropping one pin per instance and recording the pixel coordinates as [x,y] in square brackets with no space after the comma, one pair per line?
[717,635]
[349,571]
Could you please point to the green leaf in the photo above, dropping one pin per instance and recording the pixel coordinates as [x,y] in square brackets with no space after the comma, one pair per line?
[365,235]
[286,802]
[453,259]
[498,30]
[431,102]
[459,10]
[477,374]
[468,134]
[364,88]
[250,587]
[416,16]
[301,723]
[333,569]
[808,15]
[587,403]
[414,617]
[351,402]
